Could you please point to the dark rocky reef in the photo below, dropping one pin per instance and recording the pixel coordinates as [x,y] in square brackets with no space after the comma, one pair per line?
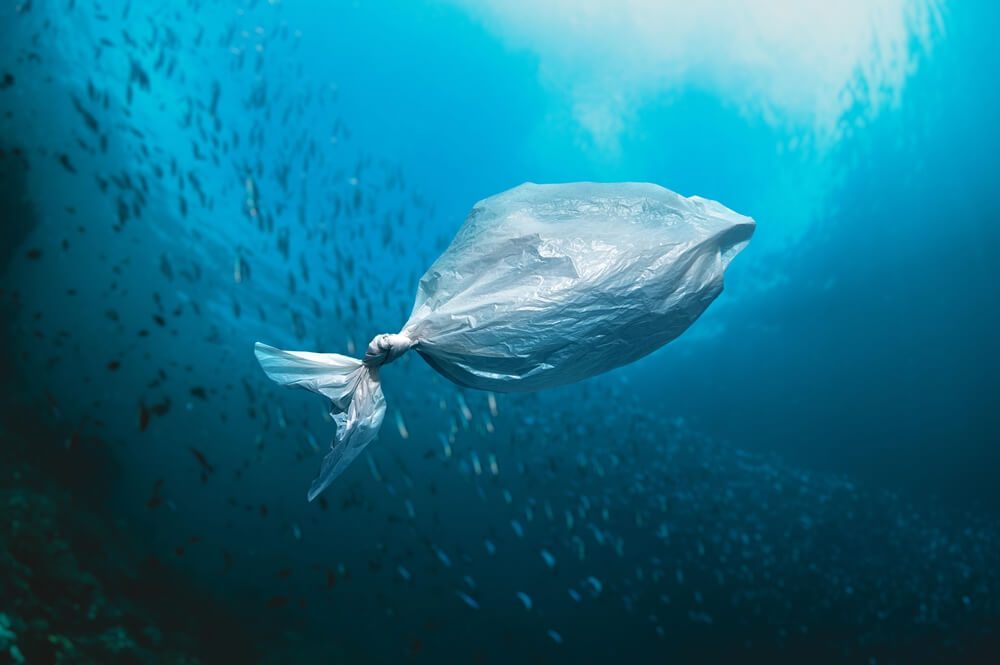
[75,591]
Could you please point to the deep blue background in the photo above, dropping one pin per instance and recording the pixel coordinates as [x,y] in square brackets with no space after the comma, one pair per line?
[855,339]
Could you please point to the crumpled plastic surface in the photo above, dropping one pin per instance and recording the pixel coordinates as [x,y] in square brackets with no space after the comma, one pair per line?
[356,401]
[543,285]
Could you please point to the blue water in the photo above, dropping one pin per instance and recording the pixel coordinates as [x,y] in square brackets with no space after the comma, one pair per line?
[808,474]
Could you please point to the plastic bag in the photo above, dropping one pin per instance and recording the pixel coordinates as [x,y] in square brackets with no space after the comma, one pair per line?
[543,285]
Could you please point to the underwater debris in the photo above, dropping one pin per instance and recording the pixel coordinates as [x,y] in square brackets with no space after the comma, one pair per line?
[522,338]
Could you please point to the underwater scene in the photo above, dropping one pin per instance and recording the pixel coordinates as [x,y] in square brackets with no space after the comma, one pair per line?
[593,452]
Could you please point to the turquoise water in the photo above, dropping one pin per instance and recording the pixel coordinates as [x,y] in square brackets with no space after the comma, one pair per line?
[806,474]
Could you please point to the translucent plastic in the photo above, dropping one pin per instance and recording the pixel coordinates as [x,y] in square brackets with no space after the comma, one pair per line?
[543,285]
[357,404]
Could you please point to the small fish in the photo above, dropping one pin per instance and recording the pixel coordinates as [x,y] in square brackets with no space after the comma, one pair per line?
[202,460]
[143,417]
[166,268]
[241,269]
[403,432]
[66,164]
[468,600]
[373,468]
[155,499]
[445,445]
[525,599]
[466,411]
[88,117]
[443,557]
[311,440]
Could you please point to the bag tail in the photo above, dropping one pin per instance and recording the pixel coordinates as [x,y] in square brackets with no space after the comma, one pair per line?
[357,404]
[352,386]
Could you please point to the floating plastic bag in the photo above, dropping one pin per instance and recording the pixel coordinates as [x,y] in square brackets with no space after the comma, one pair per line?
[543,285]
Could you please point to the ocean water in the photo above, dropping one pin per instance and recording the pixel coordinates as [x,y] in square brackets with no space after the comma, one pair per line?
[807,475]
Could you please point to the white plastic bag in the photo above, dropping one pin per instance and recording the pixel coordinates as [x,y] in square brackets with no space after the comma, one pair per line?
[543,285]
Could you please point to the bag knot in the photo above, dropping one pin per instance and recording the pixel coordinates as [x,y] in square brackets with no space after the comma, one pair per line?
[385,348]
